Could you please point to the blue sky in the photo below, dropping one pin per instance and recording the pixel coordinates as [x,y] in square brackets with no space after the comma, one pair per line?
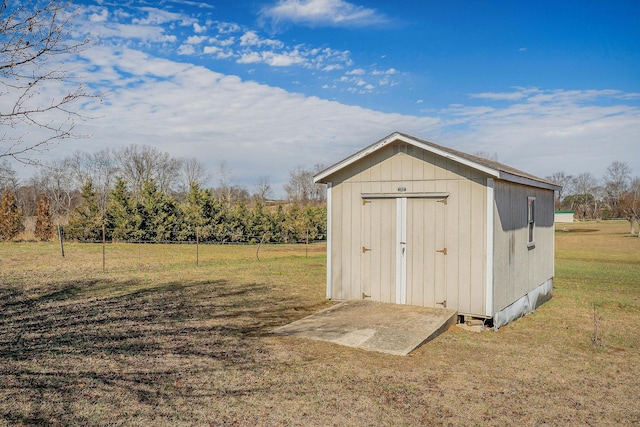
[269,85]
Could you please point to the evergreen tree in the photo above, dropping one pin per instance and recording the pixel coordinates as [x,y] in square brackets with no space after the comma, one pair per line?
[159,215]
[315,218]
[295,224]
[44,224]
[198,213]
[237,223]
[85,222]
[278,222]
[10,217]
[121,218]
[260,224]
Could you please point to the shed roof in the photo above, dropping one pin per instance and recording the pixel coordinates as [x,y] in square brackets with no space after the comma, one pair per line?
[490,167]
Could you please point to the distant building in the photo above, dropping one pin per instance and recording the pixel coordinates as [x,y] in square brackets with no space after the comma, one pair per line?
[412,222]
[563,216]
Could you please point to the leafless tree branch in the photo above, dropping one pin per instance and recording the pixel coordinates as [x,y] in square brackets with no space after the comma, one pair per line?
[38,92]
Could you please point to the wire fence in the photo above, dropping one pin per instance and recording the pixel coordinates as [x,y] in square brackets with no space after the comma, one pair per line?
[192,250]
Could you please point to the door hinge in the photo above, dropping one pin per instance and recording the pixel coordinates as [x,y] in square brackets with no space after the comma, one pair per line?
[443,303]
[443,201]
[443,251]
[364,201]
[365,249]
[365,296]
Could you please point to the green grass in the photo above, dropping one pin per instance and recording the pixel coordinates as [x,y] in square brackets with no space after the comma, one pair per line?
[156,340]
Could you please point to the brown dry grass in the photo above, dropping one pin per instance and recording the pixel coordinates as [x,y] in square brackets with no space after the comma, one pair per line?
[155,340]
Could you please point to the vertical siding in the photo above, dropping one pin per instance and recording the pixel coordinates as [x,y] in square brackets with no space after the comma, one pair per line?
[463,269]
[337,260]
[460,249]
[478,252]
[377,263]
[518,268]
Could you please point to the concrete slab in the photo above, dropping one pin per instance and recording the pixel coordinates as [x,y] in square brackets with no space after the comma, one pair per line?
[375,326]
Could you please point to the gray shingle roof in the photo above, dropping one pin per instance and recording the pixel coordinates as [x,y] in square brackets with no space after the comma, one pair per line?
[497,169]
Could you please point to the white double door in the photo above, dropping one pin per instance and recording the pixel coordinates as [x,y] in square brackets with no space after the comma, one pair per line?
[404,252]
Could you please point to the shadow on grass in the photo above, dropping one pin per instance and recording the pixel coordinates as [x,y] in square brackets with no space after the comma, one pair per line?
[56,345]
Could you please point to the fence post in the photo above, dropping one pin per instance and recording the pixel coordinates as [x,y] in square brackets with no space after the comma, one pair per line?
[60,238]
[103,247]
[197,248]
[260,244]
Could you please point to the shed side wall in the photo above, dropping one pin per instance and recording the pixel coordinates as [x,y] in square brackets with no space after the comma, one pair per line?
[518,268]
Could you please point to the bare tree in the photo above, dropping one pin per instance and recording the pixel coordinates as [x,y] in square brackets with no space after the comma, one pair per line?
[585,197]
[630,205]
[37,89]
[584,183]
[225,190]
[302,189]
[616,182]
[193,171]
[100,168]
[263,190]
[57,183]
[8,180]
[564,180]
[140,163]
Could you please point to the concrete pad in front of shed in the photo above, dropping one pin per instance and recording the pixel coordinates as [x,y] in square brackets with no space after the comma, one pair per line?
[375,326]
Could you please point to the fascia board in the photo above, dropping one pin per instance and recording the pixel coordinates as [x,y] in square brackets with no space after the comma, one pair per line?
[355,157]
[399,137]
[528,181]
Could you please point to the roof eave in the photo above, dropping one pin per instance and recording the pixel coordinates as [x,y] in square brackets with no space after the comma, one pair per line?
[396,136]
[528,181]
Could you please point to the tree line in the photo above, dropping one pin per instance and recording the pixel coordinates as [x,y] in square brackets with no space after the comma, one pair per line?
[615,195]
[139,193]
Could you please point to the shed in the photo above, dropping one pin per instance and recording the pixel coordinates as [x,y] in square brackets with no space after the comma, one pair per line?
[412,222]
[563,216]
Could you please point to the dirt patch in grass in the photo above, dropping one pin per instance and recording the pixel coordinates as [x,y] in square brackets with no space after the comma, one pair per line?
[155,340]
[579,230]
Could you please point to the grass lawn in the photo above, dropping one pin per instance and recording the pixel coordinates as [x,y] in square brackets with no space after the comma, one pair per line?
[154,339]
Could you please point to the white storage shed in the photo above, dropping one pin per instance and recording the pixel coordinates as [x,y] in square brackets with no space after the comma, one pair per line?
[412,222]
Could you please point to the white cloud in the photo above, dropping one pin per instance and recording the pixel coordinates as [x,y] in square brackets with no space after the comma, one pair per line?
[157,16]
[251,38]
[149,27]
[196,39]
[228,27]
[250,58]
[337,13]
[271,58]
[120,31]
[388,72]
[283,59]
[217,52]
[502,96]
[545,131]
[186,49]
[332,67]
[100,16]
[259,130]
